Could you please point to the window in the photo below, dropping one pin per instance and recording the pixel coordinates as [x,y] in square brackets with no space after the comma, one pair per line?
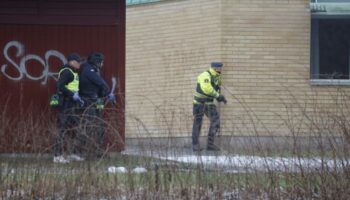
[330,43]
[330,1]
[331,39]
[134,2]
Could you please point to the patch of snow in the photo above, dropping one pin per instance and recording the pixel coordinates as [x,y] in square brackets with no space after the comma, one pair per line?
[243,163]
[113,169]
[139,170]
[251,163]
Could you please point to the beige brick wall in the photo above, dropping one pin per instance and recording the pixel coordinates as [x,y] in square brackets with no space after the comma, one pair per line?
[265,45]
[167,44]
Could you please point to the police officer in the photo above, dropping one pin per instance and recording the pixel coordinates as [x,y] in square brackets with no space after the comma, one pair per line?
[92,88]
[68,88]
[208,89]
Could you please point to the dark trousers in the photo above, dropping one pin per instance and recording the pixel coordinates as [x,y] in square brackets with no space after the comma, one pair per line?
[211,112]
[68,121]
[93,126]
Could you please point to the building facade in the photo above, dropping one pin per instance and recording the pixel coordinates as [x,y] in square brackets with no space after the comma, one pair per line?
[279,77]
[35,38]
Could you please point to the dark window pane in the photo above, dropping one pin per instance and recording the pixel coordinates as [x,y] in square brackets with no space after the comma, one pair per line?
[334,52]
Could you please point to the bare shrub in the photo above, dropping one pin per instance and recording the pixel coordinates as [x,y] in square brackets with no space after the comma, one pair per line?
[311,163]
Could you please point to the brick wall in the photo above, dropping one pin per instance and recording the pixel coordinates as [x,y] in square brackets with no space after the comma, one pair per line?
[167,44]
[265,45]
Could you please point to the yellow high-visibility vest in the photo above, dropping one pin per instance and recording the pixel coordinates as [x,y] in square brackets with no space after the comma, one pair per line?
[208,87]
[74,85]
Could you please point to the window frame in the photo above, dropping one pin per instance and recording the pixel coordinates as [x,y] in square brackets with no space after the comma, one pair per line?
[330,1]
[314,52]
[137,2]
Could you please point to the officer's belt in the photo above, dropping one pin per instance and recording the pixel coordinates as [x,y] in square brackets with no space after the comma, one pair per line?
[203,100]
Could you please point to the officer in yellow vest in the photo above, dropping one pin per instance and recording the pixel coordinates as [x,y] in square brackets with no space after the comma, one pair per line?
[208,89]
[68,88]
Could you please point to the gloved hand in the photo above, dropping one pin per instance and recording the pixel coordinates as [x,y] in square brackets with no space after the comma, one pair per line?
[221,98]
[111,97]
[76,97]
[82,103]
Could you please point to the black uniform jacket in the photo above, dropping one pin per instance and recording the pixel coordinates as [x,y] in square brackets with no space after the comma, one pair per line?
[91,84]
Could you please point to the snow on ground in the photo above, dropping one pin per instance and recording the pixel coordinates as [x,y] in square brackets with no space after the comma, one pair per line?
[137,170]
[241,163]
[237,163]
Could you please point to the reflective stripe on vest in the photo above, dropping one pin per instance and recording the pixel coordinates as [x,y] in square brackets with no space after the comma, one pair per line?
[74,85]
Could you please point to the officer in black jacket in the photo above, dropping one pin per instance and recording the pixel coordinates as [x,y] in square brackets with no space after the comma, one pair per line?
[68,88]
[93,88]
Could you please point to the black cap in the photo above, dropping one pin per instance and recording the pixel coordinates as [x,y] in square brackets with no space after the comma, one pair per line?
[73,56]
[216,64]
[96,58]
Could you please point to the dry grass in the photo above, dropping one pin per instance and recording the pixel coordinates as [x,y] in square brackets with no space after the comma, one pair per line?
[39,178]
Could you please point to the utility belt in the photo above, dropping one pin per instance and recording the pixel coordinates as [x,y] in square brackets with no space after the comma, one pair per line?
[69,101]
[88,95]
[98,102]
[66,98]
[201,100]
[59,101]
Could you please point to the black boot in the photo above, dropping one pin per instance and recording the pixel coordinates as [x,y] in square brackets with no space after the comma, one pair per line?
[212,147]
[196,147]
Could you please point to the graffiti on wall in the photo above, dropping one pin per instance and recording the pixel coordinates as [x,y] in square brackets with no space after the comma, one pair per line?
[21,67]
